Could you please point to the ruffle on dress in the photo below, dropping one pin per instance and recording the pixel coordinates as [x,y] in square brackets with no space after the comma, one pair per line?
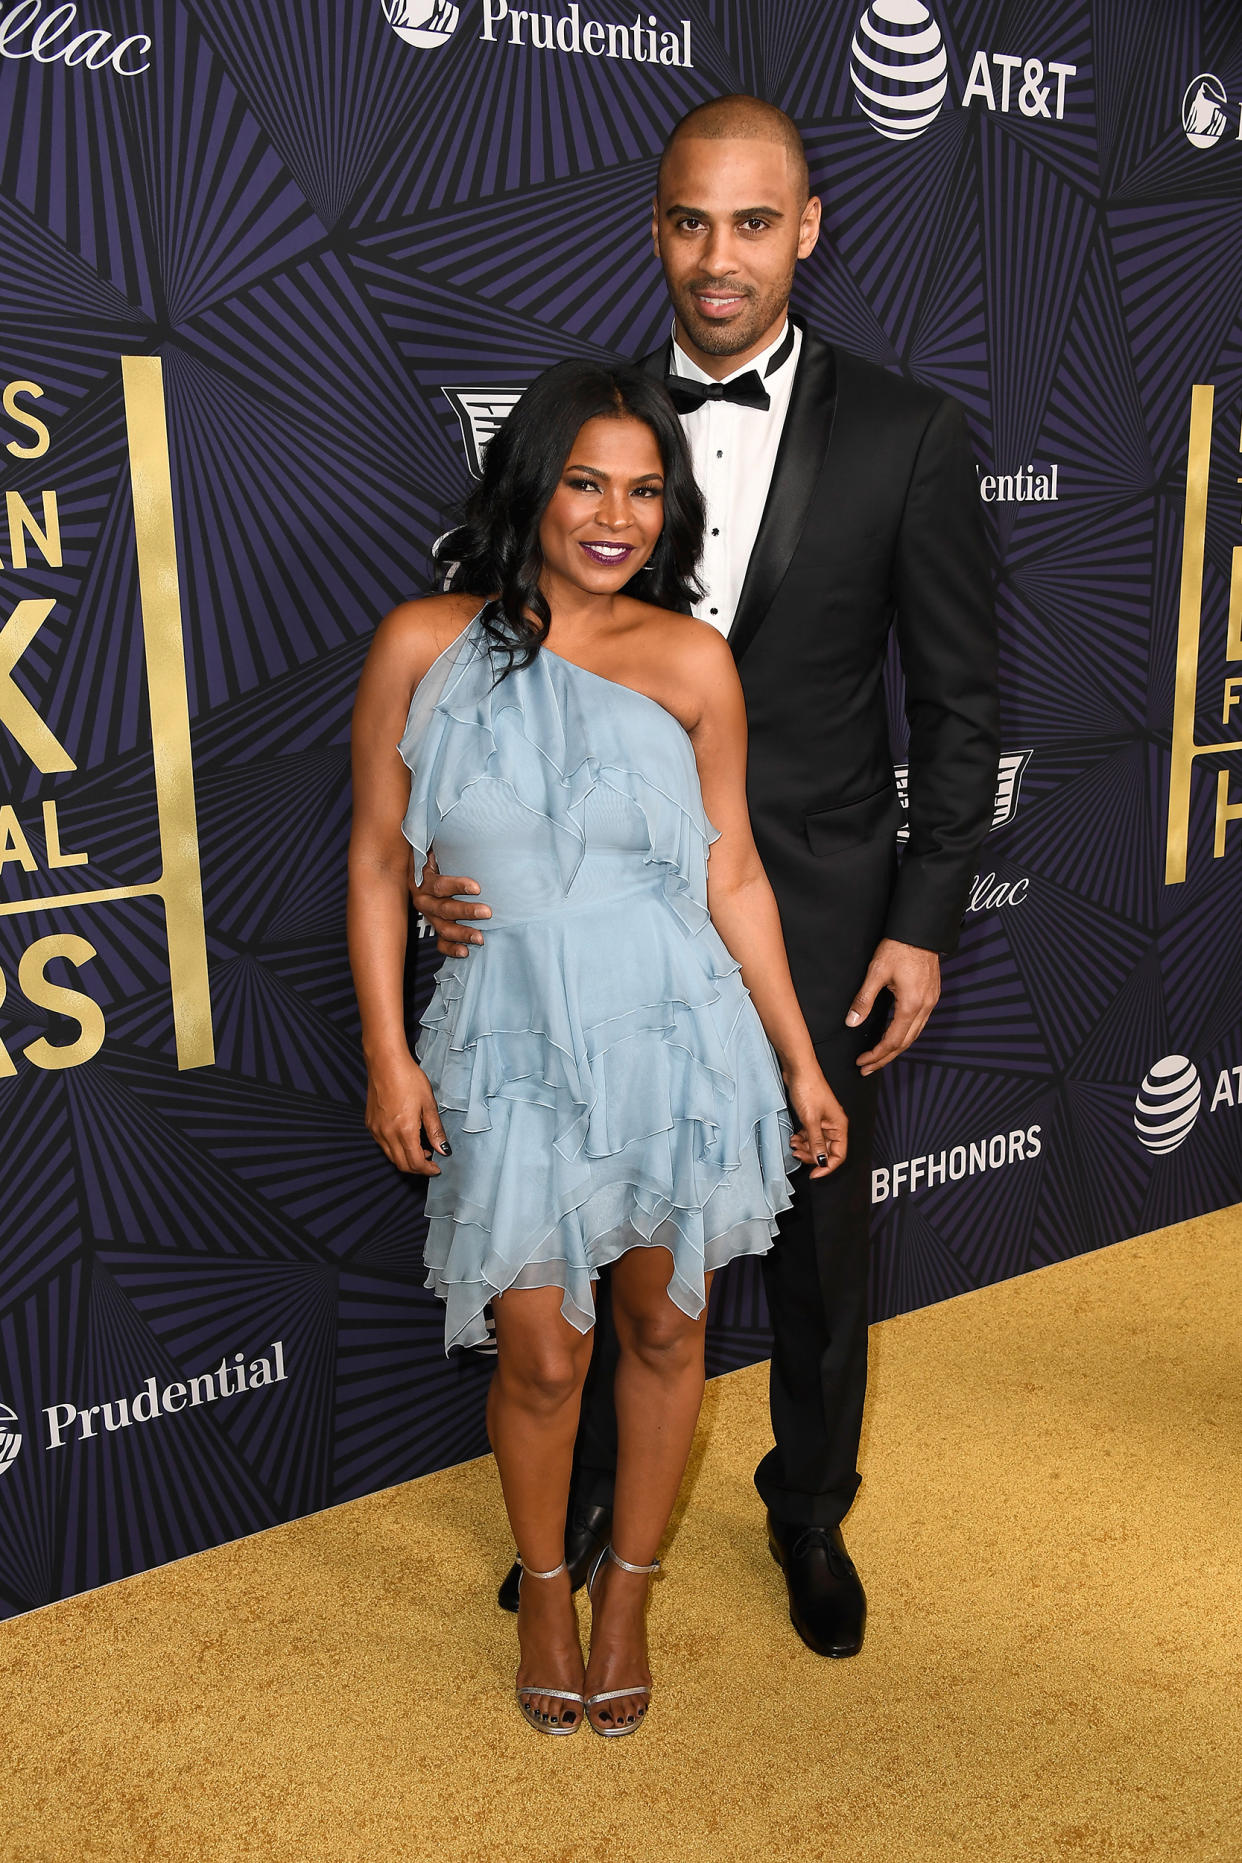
[600,1069]
[551,732]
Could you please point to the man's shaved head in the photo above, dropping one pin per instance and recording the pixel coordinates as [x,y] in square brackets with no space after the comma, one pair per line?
[731,219]
[744,119]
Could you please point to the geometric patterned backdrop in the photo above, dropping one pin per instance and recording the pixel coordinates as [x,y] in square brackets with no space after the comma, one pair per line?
[320,217]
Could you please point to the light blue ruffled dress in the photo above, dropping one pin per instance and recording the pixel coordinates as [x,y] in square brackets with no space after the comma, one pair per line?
[601,1072]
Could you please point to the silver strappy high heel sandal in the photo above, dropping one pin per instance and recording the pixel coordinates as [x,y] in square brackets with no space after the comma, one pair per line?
[540,1723]
[617,1694]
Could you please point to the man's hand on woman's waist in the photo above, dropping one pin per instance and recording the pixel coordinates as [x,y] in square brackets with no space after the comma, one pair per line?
[435,899]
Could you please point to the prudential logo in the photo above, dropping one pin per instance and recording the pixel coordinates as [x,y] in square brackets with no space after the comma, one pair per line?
[1203,111]
[899,67]
[422,22]
[10,1439]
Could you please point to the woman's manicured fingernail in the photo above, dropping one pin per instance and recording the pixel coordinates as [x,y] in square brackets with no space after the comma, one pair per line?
[853,1019]
[821,1157]
[446,1150]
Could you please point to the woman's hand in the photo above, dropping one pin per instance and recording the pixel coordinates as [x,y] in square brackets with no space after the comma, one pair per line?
[403,1118]
[820,1140]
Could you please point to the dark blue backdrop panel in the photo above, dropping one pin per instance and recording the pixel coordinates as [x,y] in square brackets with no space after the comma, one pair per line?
[270,275]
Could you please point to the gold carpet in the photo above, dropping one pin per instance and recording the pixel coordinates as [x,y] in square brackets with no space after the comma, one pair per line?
[1049,1533]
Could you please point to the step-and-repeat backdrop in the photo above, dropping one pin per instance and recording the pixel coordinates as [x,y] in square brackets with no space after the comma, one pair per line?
[271,273]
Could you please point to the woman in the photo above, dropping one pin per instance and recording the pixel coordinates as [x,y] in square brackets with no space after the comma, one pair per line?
[596,1086]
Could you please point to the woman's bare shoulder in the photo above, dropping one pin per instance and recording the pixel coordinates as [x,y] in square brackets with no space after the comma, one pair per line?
[434,620]
[688,664]
[692,641]
[693,652]
[406,645]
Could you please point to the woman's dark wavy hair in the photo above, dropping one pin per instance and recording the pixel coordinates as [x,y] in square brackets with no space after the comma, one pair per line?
[494,549]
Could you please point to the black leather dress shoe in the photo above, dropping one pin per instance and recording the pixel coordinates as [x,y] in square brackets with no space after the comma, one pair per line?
[827,1604]
[586,1535]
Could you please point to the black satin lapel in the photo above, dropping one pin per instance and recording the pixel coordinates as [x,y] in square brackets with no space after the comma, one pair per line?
[659,362]
[799,459]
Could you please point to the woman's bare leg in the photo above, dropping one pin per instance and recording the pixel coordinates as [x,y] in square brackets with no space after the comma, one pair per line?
[659,1390]
[532,1419]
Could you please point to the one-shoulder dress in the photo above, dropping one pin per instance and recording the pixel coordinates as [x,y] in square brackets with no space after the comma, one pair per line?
[601,1072]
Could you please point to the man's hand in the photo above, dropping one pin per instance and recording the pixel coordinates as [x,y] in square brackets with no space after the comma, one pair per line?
[913,976]
[429,899]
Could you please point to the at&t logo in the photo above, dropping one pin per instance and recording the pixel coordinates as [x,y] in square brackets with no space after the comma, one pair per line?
[1170,1100]
[422,22]
[1168,1104]
[10,1439]
[900,72]
[1203,111]
[899,68]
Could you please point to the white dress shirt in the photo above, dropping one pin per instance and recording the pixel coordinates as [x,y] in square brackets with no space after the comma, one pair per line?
[733,450]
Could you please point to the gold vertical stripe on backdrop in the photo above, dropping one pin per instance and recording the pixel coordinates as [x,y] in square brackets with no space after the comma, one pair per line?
[160,591]
[1233,638]
[1198,458]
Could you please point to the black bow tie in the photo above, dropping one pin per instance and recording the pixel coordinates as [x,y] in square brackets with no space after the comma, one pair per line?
[746,390]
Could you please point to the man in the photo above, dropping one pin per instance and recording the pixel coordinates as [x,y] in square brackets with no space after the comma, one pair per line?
[841,502]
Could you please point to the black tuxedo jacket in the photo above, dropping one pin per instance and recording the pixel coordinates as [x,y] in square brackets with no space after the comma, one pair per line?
[872,522]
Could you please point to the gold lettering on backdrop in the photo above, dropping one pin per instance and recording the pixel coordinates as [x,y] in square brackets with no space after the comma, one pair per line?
[13,842]
[7,1069]
[1226,812]
[57,856]
[43,749]
[33,449]
[1233,640]
[179,885]
[37,987]
[22,519]
[1189,623]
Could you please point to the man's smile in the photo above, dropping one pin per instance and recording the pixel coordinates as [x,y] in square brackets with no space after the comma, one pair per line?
[720,302]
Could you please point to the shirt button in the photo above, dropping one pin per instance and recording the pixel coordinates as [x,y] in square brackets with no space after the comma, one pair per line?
[719,454]
[715,611]
[715,531]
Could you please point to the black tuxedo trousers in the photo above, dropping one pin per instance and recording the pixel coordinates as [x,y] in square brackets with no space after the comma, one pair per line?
[871,533]
[815,1279]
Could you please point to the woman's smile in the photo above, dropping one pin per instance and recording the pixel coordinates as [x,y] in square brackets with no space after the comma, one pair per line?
[608,553]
